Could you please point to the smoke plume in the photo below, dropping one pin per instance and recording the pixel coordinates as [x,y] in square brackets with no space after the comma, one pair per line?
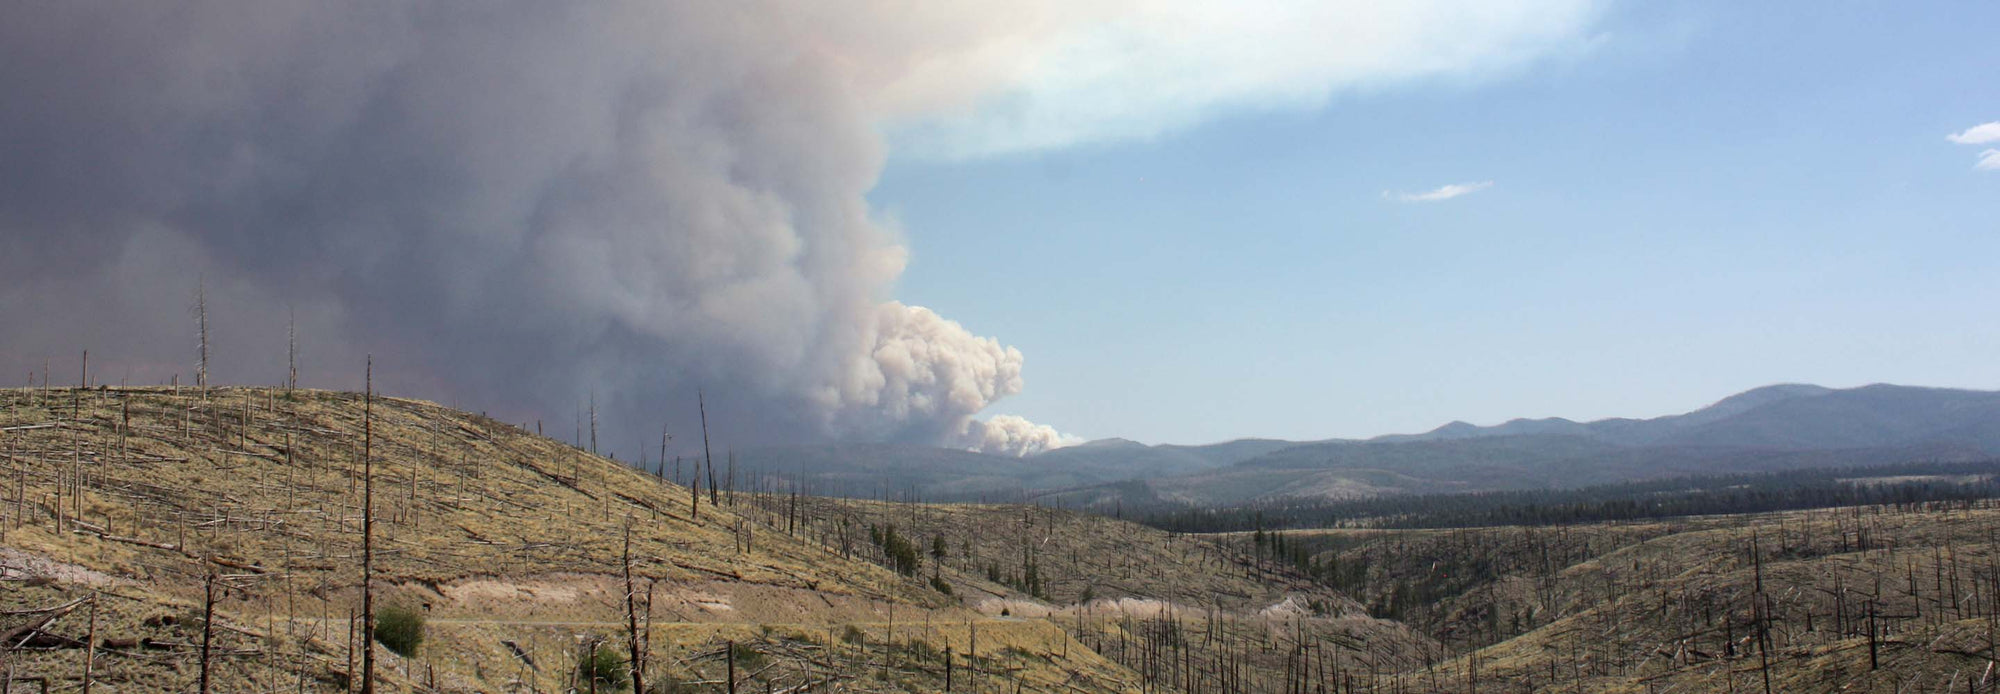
[520,206]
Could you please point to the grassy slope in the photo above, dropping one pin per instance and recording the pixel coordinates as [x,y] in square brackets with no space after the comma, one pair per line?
[511,538]
[1672,606]
[1152,594]
[503,535]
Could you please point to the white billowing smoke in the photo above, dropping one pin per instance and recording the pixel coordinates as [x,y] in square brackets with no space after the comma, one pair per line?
[1009,434]
[524,202]
[920,368]
[927,371]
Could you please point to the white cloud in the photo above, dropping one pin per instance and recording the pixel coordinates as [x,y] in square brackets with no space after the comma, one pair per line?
[1441,193]
[1983,133]
[1045,74]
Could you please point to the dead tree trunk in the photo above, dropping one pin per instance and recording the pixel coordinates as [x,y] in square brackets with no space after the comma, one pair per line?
[90,644]
[368,531]
[291,350]
[638,659]
[1761,612]
[708,458]
[201,326]
[207,624]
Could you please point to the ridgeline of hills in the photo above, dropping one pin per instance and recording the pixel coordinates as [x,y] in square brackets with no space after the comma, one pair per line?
[1779,427]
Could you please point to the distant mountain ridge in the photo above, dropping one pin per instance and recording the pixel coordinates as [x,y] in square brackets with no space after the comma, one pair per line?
[1620,429]
[1772,427]
[1787,416]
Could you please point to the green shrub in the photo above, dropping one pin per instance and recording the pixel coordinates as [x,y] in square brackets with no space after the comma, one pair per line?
[606,666]
[400,629]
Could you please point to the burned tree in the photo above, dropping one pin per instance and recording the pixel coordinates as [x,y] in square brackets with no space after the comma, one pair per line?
[368,531]
[201,328]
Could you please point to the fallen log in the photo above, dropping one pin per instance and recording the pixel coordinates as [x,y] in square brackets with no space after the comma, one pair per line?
[13,636]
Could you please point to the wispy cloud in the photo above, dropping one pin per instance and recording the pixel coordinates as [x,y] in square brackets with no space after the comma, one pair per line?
[1026,75]
[1982,134]
[1977,135]
[1441,193]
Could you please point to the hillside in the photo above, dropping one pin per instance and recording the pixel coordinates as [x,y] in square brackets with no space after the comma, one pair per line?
[1179,609]
[124,507]
[1877,599]
[130,503]
[512,544]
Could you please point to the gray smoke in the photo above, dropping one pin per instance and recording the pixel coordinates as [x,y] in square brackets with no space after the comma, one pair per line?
[519,205]
[506,202]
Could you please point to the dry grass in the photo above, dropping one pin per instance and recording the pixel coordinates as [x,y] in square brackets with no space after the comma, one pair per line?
[1075,554]
[1186,612]
[512,544]
[502,535]
[1675,606]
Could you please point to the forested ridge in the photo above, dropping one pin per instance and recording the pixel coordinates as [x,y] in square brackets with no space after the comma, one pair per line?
[1902,483]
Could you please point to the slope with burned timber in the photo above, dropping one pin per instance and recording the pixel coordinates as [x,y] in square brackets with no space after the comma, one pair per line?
[123,503]
[119,505]
[1188,613]
[1860,599]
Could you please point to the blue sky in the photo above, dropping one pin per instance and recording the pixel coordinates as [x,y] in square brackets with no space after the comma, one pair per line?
[1699,199]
